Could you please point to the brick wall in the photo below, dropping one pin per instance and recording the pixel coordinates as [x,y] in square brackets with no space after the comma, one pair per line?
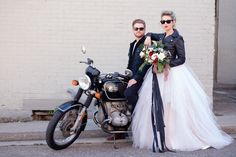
[40,41]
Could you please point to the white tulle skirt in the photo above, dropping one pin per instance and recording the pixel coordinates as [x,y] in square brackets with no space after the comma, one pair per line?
[189,121]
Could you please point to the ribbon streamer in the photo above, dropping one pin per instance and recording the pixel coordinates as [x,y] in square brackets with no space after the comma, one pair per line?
[157,117]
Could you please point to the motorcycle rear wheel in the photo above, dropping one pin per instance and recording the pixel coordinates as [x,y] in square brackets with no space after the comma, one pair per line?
[59,135]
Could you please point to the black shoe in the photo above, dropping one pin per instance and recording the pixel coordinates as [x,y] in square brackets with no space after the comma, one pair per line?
[118,136]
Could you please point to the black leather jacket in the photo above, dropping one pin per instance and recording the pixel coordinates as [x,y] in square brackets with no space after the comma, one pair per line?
[174,43]
[135,61]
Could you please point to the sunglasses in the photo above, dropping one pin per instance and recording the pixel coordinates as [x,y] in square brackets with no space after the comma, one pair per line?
[137,28]
[166,21]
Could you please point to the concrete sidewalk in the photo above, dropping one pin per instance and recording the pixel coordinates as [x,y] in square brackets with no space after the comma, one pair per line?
[34,131]
[225,108]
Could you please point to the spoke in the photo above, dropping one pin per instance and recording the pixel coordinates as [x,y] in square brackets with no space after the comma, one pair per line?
[64,133]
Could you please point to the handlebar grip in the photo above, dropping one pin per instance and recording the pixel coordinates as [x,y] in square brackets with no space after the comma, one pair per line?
[123,76]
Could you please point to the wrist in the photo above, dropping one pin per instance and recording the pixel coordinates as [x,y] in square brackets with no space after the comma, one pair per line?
[167,66]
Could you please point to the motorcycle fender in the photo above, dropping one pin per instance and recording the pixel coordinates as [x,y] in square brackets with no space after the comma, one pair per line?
[68,105]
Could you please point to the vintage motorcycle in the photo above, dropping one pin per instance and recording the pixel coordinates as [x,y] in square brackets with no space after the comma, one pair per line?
[113,113]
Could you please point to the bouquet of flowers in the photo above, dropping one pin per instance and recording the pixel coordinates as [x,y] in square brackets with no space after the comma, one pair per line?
[156,55]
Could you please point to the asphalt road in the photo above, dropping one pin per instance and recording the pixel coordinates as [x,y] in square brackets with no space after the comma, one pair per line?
[107,150]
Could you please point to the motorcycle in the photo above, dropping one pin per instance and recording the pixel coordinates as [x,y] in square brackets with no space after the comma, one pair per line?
[113,114]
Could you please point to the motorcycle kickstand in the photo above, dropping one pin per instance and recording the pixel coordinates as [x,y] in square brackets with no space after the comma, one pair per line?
[114,143]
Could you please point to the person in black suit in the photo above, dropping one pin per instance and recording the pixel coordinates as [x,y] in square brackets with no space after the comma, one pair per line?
[134,63]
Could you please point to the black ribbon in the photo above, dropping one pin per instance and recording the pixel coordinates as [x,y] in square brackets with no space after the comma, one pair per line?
[157,117]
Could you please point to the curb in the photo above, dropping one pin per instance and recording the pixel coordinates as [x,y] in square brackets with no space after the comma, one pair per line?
[36,130]
[30,136]
[97,140]
[87,134]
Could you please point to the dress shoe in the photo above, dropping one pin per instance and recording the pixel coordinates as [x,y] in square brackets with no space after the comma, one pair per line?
[116,136]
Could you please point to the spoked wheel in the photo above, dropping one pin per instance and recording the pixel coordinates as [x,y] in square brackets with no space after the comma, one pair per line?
[60,133]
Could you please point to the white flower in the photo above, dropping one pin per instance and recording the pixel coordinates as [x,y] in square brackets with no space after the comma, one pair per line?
[149,61]
[142,54]
[161,56]
[154,56]
[150,49]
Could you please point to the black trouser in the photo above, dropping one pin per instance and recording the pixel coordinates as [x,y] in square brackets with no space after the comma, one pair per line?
[131,94]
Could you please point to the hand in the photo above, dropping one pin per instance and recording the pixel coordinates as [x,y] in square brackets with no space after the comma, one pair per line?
[154,68]
[131,82]
[148,41]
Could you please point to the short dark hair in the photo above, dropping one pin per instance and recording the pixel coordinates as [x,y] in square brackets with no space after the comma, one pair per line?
[139,21]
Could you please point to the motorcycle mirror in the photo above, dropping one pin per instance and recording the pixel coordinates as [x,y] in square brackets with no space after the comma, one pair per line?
[83,49]
[128,73]
[90,61]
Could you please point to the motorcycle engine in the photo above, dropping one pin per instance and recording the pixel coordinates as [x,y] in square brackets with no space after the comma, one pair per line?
[118,113]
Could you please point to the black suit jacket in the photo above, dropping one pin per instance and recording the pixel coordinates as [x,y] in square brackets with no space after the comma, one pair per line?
[174,43]
[135,61]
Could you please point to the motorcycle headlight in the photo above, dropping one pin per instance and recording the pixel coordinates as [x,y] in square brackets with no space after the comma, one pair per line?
[84,82]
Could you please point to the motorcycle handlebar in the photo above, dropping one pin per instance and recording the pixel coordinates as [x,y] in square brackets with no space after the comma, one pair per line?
[89,61]
[116,74]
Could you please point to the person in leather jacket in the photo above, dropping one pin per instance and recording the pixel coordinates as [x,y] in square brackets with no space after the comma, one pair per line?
[173,111]
[174,43]
[134,63]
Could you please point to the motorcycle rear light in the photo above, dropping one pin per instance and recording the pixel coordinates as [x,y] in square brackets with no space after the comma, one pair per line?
[74,82]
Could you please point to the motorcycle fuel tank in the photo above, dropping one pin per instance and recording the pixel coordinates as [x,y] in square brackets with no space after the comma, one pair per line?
[114,90]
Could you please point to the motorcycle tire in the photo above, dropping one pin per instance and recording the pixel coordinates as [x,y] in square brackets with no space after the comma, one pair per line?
[67,124]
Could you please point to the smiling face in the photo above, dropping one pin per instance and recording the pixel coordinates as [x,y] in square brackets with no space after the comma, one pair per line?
[167,23]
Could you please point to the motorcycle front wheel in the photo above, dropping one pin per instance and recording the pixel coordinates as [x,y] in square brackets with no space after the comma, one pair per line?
[59,134]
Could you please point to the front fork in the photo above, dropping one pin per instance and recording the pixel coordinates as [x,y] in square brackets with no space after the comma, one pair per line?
[79,119]
[78,95]
[82,112]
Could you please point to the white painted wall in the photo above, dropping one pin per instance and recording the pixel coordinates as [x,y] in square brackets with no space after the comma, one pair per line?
[226,73]
[40,42]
